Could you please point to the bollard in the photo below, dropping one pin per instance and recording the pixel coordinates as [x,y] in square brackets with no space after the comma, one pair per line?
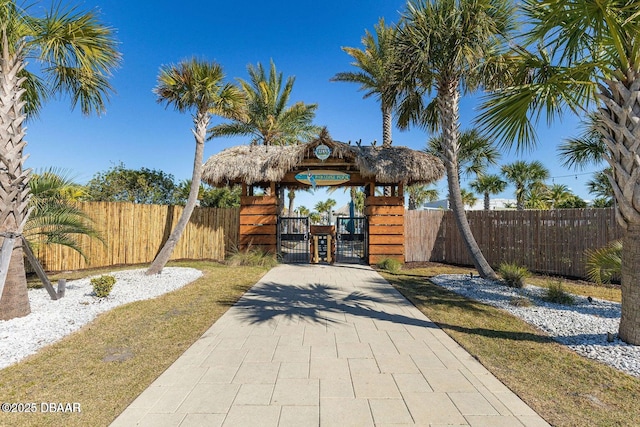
[62,284]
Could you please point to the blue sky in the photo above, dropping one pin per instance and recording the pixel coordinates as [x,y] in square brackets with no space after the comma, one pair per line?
[303,38]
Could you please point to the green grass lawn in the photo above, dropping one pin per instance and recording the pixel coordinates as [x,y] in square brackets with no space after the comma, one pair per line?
[563,387]
[109,362]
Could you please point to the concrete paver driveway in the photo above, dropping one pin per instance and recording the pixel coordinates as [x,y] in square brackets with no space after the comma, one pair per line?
[337,345]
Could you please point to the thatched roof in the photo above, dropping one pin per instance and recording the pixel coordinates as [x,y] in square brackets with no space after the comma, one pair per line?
[262,164]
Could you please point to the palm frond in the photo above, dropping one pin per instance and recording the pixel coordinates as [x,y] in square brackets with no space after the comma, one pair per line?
[604,264]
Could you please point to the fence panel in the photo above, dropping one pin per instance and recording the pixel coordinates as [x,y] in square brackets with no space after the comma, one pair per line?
[550,242]
[134,233]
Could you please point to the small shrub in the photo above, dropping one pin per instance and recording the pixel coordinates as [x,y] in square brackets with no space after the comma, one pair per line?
[520,302]
[513,275]
[253,257]
[556,294]
[102,285]
[389,264]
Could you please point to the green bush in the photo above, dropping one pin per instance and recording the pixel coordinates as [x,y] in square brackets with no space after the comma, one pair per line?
[389,264]
[253,257]
[513,275]
[102,285]
[556,294]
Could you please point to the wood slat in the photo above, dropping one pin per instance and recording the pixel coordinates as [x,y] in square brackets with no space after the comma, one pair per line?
[386,220]
[257,229]
[386,239]
[258,200]
[386,249]
[259,210]
[384,210]
[384,201]
[258,219]
[385,229]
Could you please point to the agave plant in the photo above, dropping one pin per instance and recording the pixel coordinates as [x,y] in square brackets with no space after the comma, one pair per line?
[604,264]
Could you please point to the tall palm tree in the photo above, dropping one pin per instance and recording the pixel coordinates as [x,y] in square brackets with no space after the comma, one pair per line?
[73,54]
[419,194]
[187,86]
[268,119]
[589,51]
[375,77]
[488,185]
[448,46]
[525,176]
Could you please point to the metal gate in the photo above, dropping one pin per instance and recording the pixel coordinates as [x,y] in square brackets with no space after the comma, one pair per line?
[352,239]
[293,239]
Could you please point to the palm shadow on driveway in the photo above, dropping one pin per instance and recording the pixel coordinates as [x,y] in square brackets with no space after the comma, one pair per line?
[318,303]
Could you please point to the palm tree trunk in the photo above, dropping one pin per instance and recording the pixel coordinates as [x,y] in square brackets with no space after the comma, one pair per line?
[292,198]
[201,122]
[386,136]
[619,126]
[448,104]
[386,126]
[14,194]
[630,274]
[487,203]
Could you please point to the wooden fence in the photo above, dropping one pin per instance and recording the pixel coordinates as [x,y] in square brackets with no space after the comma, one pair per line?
[133,234]
[551,242]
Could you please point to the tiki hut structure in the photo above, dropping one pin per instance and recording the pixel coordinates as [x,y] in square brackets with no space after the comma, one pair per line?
[275,167]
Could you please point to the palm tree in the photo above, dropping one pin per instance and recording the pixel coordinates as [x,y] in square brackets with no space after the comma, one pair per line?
[419,194]
[557,194]
[442,49]
[536,196]
[589,51]
[54,219]
[525,176]
[325,207]
[303,211]
[75,54]
[468,198]
[488,185]
[476,152]
[603,264]
[194,85]
[600,186]
[315,218]
[375,75]
[268,119]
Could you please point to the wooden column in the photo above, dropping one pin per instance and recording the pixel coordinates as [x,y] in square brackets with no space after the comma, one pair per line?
[258,222]
[386,228]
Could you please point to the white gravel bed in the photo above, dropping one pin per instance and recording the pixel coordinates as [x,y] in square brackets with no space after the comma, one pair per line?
[582,326]
[51,320]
